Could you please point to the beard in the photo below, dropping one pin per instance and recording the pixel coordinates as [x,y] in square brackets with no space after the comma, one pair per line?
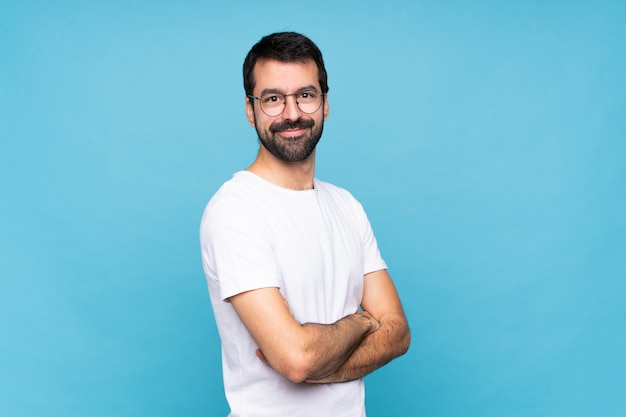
[291,149]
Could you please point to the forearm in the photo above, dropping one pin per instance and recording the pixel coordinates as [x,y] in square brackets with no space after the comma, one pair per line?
[327,347]
[321,348]
[378,348]
[298,351]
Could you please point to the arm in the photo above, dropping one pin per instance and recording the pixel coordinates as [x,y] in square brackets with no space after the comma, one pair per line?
[299,351]
[392,338]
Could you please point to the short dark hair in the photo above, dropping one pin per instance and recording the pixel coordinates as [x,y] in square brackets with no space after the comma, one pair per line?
[283,47]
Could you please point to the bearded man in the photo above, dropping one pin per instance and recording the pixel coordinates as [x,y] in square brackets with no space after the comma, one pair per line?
[304,305]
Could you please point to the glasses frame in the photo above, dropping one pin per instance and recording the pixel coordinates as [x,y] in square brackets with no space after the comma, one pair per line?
[285,102]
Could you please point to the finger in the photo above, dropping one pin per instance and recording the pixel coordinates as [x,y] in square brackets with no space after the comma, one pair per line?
[261,356]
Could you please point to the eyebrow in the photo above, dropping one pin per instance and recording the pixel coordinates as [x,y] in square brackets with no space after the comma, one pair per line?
[278,91]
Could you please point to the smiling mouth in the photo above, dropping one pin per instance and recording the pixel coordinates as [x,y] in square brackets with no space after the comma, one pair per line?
[292,133]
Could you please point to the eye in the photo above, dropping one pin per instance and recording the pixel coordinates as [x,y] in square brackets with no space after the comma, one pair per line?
[308,95]
[271,99]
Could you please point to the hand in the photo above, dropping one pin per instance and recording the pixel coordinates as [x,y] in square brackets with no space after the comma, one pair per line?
[375,325]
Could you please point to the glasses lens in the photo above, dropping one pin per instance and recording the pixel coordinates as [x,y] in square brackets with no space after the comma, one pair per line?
[273,104]
[309,101]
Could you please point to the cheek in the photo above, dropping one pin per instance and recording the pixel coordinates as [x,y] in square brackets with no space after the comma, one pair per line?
[262,124]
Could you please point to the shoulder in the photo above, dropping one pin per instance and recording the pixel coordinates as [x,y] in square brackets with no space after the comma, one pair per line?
[337,194]
[233,203]
[239,191]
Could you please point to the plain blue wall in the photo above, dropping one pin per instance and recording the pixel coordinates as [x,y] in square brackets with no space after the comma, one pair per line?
[486,140]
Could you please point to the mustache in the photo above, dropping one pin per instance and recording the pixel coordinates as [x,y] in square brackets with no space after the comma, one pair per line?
[291,124]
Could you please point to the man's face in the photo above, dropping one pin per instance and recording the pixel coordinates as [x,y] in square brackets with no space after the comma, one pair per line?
[292,135]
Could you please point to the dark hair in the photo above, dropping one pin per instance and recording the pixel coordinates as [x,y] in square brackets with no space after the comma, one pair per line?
[283,47]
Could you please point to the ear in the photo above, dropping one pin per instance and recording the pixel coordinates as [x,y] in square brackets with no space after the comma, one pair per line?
[250,111]
[325,107]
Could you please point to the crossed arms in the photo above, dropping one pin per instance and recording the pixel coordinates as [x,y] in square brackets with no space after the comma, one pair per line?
[348,349]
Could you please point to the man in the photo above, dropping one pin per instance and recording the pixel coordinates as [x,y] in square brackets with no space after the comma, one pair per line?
[302,299]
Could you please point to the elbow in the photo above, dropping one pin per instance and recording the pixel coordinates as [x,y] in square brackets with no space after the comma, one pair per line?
[296,375]
[298,368]
[405,341]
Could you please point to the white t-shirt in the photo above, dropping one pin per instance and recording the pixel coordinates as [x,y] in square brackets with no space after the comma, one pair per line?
[315,246]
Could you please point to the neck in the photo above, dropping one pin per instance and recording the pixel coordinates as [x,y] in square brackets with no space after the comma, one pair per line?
[290,175]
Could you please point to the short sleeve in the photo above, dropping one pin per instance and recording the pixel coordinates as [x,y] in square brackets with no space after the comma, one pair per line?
[237,252]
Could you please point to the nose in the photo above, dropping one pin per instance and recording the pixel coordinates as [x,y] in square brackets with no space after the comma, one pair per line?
[292,111]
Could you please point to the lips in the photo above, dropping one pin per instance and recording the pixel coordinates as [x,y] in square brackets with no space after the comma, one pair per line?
[292,133]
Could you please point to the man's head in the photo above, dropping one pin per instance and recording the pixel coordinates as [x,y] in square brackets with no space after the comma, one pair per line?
[285,83]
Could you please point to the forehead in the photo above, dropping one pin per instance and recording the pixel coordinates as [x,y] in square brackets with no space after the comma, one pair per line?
[284,76]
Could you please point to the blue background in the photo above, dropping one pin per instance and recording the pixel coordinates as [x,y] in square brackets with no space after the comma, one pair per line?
[486,140]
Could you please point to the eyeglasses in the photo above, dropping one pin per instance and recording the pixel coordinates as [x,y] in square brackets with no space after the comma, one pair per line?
[273,104]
